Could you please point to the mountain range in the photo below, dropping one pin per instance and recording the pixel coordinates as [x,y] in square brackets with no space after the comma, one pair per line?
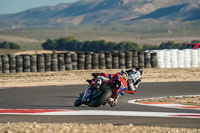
[104,12]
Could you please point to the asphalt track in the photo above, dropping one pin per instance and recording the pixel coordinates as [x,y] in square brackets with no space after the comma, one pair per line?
[62,97]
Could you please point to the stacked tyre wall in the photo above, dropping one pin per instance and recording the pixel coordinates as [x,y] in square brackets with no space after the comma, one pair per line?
[77,61]
[174,58]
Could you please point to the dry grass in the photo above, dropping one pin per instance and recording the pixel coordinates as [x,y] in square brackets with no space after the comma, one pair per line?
[87,128]
[185,100]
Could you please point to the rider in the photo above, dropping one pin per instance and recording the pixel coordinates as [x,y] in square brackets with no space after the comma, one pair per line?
[128,82]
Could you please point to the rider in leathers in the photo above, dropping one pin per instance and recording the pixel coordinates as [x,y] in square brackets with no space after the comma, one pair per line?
[128,82]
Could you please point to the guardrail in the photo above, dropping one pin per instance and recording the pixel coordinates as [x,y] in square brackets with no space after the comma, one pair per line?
[77,61]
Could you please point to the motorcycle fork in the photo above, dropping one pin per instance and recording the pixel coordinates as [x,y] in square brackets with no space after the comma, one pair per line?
[87,92]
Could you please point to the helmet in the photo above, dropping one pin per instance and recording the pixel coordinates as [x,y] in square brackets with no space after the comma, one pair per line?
[139,69]
[124,74]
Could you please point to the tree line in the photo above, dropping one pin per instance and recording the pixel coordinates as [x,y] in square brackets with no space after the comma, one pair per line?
[71,44]
[9,45]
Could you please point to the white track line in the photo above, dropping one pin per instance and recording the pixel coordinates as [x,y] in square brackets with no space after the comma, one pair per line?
[110,113]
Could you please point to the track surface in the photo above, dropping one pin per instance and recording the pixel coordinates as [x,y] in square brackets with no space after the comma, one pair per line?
[62,97]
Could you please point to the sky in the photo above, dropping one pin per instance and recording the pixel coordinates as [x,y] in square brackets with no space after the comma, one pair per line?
[13,6]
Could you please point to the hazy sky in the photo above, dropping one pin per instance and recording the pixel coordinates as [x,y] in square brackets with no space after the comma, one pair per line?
[13,6]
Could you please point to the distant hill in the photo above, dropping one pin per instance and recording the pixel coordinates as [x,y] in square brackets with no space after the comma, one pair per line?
[103,12]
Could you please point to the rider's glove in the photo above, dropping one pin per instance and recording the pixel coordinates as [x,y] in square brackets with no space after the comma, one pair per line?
[94,75]
[89,81]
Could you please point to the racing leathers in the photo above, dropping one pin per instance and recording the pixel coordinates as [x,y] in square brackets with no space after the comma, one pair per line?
[122,86]
[134,79]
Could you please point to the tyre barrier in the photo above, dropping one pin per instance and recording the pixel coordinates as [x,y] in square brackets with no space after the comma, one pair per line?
[115,60]
[141,59]
[33,60]
[0,65]
[102,62]
[5,64]
[74,61]
[26,63]
[12,63]
[19,63]
[122,60]
[88,60]
[40,63]
[128,59]
[47,62]
[174,58]
[108,60]
[68,61]
[95,61]
[61,63]
[134,58]
[54,62]
[82,61]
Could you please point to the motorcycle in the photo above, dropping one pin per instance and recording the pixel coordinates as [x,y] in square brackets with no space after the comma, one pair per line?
[98,92]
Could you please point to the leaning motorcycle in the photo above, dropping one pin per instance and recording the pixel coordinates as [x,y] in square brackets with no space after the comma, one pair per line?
[99,94]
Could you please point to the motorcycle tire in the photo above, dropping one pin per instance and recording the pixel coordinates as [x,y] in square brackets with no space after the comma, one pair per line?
[102,99]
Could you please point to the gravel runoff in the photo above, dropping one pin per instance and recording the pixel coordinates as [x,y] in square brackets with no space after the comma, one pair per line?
[185,100]
[87,128]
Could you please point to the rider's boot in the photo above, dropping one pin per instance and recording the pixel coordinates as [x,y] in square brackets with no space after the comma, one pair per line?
[113,101]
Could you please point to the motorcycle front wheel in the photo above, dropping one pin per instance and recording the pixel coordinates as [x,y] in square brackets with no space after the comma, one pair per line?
[102,99]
